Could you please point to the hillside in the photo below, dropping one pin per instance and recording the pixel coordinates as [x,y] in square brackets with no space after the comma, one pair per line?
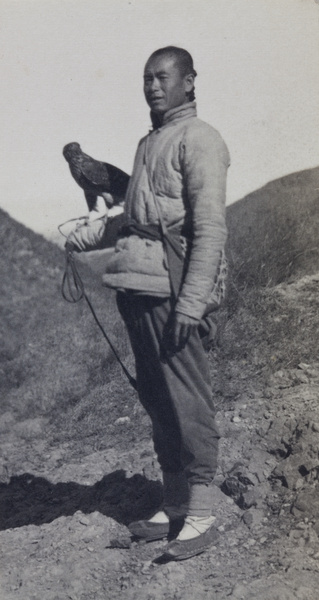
[274,232]
[77,462]
[52,353]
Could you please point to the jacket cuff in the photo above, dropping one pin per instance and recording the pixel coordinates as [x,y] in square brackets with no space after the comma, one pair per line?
[196,312]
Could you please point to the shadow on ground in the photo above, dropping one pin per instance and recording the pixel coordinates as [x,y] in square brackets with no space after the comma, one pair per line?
[27,499]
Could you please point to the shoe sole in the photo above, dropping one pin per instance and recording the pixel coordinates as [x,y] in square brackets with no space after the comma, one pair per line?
[150,538]
[184,554]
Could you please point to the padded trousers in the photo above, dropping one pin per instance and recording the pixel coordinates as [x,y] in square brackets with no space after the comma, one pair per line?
[174,388]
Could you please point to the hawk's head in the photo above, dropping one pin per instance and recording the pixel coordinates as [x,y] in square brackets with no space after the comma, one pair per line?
[71,150]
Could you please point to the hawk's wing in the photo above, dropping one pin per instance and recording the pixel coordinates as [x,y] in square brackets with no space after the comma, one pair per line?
[96,172]
[94,176]
[118,180]
[105,176]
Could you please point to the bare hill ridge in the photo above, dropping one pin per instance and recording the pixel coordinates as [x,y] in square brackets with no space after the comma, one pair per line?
[274,232]
[28,266]
[48,347]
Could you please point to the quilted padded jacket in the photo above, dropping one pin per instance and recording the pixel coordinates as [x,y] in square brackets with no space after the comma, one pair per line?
[187,160]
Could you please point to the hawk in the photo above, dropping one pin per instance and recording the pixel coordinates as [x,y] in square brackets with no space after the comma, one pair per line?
[96,178]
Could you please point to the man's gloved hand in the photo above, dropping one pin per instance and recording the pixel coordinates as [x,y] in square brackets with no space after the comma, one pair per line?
[87,236]
[180,328]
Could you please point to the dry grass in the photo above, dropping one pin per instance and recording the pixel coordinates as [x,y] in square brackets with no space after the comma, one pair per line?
[274,232]
[52,352]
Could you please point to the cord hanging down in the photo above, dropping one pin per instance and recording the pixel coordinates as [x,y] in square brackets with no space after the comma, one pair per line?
[73,291]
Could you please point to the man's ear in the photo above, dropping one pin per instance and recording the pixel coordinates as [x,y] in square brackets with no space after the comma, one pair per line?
[189,82]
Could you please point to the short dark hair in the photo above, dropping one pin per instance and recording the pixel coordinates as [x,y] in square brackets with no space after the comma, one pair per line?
[184,61]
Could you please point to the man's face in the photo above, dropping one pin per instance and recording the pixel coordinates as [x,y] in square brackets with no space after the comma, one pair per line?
[164,86]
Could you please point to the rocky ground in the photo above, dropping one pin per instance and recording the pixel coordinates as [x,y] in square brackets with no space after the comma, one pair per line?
[65,508]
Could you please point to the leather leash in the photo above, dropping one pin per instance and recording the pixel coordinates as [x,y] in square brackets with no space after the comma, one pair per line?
[73,291]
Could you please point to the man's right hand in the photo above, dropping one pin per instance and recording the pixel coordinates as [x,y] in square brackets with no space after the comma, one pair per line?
[179,330]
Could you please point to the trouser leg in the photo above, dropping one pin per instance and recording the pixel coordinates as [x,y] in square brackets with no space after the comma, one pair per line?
[175,390]
[153,394]
[175,494]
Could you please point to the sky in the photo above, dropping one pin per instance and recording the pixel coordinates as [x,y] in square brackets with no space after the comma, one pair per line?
[71,70]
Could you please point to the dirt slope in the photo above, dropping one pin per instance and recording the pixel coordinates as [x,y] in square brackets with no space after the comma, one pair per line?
[78,467]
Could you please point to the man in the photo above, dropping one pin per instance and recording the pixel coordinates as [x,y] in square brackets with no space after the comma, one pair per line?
[176,192]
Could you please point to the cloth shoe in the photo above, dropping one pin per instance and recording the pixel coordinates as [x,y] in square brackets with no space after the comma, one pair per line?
[196,536]
[168,521]
[156,528]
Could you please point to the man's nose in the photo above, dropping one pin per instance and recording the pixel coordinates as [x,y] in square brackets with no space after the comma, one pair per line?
[154,84]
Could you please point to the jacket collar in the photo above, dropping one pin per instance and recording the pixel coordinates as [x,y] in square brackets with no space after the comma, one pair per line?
[175,114]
